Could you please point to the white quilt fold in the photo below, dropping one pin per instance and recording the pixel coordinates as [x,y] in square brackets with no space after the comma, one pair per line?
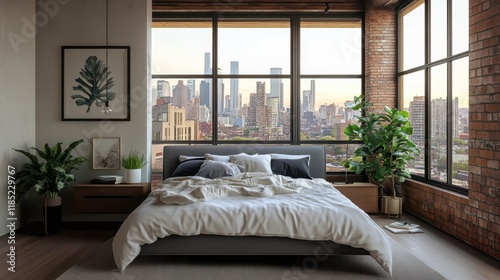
[185,190]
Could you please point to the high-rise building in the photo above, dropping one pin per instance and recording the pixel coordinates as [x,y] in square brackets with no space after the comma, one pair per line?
[234,87]
[180,94]
[205,96]
[277,87]
[417,120]
[163,88]
[191,89]
[220,96]
[312,97]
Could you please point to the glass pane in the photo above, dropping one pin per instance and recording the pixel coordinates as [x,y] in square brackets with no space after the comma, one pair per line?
[413,35]
[413,90]
[257,46]
[261,112]
[330,47]
[439,117]
[323,115]
[181,110]
[460,88]
[460,26]
[438,29]
[181,48]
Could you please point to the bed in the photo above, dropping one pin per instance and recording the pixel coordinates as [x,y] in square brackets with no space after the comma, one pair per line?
[335,225]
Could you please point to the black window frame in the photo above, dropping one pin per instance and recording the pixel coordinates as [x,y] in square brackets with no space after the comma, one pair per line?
[426,67]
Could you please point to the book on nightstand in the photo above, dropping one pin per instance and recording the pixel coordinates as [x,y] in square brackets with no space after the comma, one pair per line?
[107,179]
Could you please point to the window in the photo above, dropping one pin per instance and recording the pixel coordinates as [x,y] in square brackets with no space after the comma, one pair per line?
[255,78]
[433,85]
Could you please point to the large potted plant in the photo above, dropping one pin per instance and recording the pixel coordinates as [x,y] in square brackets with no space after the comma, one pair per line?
[48,172]
[385,148]
[133,163]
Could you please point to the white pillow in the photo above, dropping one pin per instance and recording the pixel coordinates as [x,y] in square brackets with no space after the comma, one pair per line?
[219,157]
[216,169]
[253,163]
[287,156]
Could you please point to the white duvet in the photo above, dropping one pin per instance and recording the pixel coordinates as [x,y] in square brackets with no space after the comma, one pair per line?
[317,212]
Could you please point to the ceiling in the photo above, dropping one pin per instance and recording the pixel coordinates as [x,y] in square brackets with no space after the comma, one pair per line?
[266,5]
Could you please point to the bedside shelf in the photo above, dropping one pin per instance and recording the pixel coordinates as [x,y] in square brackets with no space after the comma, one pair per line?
[107,198]
[363,194]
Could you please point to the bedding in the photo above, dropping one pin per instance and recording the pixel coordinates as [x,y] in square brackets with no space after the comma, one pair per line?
[295,168]
[317,212]
[187,190]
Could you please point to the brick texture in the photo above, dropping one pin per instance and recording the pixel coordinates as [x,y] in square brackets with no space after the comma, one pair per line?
[474,218]
[380,56]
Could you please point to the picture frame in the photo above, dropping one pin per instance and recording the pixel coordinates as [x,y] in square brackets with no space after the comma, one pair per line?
[106,153]
[82,67]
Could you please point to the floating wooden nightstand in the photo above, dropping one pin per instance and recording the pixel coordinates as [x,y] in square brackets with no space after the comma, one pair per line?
[108,198]
[363,194]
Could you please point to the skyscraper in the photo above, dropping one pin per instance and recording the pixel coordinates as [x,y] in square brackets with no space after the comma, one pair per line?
[277,87]
[417,120]
[234,87]
[163,88]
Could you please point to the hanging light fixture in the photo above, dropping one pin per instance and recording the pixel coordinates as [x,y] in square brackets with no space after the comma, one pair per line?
[106,110]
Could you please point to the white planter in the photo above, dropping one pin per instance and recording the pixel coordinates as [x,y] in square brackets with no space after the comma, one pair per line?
[392,206]
[133,176]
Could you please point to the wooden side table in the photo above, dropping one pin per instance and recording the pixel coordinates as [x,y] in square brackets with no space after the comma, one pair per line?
[108,198]
[363,194]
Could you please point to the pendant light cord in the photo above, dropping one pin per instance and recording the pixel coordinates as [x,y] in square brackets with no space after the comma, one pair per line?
[107,66]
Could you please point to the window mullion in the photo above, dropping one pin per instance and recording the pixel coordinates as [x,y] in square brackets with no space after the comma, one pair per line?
[214,78]
[295,80]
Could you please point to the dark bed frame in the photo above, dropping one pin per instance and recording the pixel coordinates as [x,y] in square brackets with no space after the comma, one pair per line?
[244,245]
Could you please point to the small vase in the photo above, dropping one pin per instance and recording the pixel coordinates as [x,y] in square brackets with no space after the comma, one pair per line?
[133,176]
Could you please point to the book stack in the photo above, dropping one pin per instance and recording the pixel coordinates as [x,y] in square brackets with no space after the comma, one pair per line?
[403,227]
[107,179]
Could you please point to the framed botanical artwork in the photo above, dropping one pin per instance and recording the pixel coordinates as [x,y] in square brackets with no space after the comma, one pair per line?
[106,153]
[93,79]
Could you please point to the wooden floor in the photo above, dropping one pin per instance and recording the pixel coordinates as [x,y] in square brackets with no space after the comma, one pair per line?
[47,257]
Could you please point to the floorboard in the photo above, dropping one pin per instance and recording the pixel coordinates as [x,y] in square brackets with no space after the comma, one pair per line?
[41,256]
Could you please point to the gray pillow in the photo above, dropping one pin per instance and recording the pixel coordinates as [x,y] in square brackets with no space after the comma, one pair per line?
[216,169]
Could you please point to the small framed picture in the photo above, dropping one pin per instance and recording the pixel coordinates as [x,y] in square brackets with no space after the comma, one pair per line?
[106,153]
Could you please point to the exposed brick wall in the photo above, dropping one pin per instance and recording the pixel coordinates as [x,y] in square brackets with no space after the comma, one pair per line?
[380,56]
[474,219]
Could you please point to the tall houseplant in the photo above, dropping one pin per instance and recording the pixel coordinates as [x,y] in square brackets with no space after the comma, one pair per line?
[133,162]
[49,171]
[386,147]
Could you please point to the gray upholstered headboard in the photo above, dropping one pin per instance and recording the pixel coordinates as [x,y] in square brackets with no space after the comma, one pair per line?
[317,163]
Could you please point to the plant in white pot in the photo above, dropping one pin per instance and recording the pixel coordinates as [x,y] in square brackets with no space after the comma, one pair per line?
[133,163]
[385,148]
[48,172]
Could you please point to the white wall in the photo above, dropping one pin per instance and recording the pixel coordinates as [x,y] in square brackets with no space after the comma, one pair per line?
[82,23]
[17,92]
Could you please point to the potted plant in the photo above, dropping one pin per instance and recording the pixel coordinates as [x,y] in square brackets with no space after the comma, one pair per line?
[133,162]
[385,148]
[48,172]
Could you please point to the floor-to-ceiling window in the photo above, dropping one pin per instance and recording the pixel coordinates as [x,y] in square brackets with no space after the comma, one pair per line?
[255,78]
[434,87]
